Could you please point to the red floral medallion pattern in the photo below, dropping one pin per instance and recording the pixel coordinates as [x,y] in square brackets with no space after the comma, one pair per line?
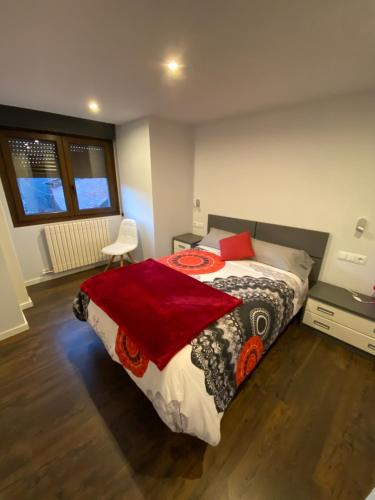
[250,355]
[193,262]
[129,354]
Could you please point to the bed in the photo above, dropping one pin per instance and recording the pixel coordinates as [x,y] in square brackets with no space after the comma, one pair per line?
[193,390]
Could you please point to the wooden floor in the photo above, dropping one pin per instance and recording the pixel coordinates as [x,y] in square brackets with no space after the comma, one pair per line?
[73,424]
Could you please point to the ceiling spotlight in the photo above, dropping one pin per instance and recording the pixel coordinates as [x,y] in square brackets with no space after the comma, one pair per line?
[93,106]
[173,67]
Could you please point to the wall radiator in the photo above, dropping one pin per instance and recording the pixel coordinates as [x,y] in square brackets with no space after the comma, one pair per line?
[76,244]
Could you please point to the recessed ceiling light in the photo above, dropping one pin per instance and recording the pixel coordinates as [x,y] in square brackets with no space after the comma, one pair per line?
[173,67]
[93,106]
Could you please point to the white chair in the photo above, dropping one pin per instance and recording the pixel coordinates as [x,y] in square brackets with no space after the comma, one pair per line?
[127,240]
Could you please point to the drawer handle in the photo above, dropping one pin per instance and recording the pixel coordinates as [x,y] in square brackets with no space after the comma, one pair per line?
[180,246]
[321,324]
[325,311]
[371,346]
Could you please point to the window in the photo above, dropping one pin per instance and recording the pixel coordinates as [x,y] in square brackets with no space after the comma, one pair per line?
[49,178]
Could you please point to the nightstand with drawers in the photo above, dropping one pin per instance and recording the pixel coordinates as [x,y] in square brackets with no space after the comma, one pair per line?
[185,241]
[333,310]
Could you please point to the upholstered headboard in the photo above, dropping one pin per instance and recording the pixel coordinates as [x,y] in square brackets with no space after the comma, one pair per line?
[313,242]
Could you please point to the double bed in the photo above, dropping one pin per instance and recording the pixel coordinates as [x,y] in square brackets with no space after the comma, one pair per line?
[192,391]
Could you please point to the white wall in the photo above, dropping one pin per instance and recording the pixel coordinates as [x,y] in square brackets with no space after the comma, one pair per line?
[31,247]
[155,164]
[11,259]
[12,289]
[310,166]
[172,181]
[134,167]
[12,319]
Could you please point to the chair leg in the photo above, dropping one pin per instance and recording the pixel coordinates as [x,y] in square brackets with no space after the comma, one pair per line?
[130,257]
[121,260]
[109,263]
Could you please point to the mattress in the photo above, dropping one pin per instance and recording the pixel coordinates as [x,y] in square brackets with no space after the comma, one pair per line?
[193,390]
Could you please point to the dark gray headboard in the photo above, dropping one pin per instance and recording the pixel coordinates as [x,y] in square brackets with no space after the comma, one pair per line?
[313,242]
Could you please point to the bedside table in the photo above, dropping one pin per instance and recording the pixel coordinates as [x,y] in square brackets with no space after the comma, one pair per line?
[332,310]
[185,241]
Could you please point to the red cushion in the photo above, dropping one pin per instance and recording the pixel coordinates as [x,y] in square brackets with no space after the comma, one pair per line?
[237,247]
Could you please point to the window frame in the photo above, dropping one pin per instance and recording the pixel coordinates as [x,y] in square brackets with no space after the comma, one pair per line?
[111,175]
[12,192]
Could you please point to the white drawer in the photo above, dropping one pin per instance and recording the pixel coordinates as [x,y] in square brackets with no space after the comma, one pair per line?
[340,332]
[179,245]
[342,317]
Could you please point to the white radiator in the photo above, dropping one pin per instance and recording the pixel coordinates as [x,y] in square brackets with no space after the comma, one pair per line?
[76,244]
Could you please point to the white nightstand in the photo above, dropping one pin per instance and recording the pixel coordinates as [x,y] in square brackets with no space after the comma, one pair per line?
[185,241]
[332,310]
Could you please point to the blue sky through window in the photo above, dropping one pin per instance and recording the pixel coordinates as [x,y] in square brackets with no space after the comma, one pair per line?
[41,195]
[46,195]
[92,192]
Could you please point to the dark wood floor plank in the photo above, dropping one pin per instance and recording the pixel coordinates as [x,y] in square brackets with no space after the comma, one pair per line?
[74,425]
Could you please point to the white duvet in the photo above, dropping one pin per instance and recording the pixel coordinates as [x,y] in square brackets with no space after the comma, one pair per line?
[178,392]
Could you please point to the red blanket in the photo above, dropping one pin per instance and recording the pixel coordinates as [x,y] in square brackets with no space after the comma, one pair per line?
[161,309]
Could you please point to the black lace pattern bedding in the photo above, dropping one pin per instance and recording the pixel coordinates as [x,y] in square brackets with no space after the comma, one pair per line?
[230,349]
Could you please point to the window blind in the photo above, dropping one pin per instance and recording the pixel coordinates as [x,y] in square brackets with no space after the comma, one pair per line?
[34,158]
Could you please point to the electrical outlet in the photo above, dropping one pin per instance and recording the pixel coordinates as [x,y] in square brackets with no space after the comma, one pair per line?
[355,258]
[360,259]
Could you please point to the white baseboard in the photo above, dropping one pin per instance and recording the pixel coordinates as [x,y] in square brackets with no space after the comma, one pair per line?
[15,330]
[27,304]
[53,276]
[35,281]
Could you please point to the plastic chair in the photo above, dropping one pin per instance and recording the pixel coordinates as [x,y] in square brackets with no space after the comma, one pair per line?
[127,240]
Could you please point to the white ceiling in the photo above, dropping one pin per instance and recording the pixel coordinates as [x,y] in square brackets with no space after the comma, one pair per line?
[239,55]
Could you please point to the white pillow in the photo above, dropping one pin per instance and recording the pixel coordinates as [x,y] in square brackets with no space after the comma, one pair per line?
[290,259]
[214,236]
